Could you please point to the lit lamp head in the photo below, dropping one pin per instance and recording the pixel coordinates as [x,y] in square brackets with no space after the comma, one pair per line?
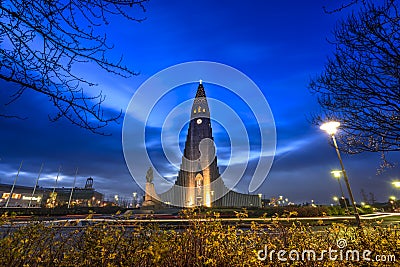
[330,127]
[396,184]
[336,174]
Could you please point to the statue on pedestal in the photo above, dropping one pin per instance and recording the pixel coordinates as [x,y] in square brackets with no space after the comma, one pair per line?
[151,199]
[149,175]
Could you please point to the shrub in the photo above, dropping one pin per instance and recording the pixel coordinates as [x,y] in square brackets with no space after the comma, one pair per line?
[206,241]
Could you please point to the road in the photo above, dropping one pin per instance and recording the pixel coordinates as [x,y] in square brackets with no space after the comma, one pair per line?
[170,220]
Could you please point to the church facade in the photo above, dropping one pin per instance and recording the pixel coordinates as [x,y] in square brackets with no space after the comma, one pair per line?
[199,182]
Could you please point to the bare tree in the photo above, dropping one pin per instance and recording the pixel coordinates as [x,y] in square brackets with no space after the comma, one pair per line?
[41,43]
[344,4]
[360,85]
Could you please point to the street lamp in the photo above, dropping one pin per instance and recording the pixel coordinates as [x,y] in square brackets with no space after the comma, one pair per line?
[331,129]
[260,199]
[336,199]
[134,199]
[392,200]
[396,184]
[337,174]
[116,198]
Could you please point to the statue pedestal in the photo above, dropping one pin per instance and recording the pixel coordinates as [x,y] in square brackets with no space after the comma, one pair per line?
[151,199]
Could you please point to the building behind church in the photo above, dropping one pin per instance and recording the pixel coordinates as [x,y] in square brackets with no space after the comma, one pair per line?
[27,196]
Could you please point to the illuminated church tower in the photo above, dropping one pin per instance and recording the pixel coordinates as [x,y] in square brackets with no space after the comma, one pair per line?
[199,182]
[199,162]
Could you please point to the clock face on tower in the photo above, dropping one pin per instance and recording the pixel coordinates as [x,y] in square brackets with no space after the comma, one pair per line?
[199,121]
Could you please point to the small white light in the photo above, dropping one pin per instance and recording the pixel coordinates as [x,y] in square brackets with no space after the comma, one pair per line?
[396,184]
[336,174]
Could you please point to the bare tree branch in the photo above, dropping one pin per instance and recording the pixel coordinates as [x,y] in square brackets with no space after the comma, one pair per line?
[343,5]
[360,86]
[41,42]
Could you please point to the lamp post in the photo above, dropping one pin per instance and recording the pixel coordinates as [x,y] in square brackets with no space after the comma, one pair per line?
[336,199]
[396,184]
[134,199]
[392,201]
[331,129]
[337,175]
[260,199]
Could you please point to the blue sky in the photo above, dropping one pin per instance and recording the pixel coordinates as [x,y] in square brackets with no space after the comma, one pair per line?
[280,45]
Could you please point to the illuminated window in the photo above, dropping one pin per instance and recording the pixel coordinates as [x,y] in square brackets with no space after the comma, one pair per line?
[16,196]
[199,180]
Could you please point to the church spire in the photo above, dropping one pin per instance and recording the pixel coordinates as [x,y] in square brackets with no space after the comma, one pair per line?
[200,105]
[199,168]
[200,90]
